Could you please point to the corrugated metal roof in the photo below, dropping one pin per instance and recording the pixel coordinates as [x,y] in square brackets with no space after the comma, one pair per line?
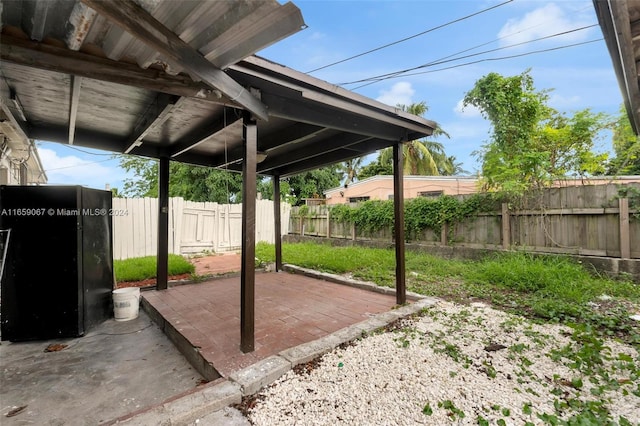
[223,31]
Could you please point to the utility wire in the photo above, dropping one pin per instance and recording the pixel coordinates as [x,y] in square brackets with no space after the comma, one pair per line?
[449,58]
[79,165]
[482,60]
[86,152]
[410,37]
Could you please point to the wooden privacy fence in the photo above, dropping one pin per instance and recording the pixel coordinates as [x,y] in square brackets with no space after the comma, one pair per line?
[193,227]
[587,220]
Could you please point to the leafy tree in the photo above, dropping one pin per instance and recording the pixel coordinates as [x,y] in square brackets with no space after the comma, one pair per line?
[375,168]
[313,183]
[568,142]
[626,146]
[531,144]
[265,188]
[193,183]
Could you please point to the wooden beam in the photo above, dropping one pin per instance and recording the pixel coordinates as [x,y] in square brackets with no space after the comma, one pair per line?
[336,156]
[296,108]
[145,28]
[76,83]
[156,114]
[200,135]
[52,58]
[162,273]
[398,226]
[248,269]
[10,110]
[39,19]
[305,152]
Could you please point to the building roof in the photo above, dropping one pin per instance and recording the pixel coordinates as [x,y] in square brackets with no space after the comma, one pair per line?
[389,178]
[620,24]
[171,78]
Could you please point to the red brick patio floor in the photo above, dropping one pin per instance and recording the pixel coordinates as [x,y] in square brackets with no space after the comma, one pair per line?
[290,310]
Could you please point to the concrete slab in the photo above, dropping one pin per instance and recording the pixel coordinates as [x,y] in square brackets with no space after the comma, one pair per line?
[264,372]
[189,408]
[117,368]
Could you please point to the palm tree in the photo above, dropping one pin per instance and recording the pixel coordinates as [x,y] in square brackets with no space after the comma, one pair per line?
[453,167]
[421,157]
[350,170]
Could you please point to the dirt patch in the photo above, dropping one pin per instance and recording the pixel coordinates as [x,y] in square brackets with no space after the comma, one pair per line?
[151,282]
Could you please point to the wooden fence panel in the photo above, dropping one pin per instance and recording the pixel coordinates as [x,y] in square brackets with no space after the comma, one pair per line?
[574,220]
[193,227]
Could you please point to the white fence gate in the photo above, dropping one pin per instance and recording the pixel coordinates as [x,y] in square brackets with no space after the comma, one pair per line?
[193,227]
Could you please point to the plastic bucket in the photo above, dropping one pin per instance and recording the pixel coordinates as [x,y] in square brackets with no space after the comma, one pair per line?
[126,303]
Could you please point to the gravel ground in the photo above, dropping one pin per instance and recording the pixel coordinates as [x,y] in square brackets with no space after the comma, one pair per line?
[459,364]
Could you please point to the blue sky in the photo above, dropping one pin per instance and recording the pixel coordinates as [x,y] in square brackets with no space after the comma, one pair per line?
[581,76]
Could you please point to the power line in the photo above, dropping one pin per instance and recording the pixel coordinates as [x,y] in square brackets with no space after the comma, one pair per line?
[410,37]
[446,58]
[79,165]
[482,60]
[85,152]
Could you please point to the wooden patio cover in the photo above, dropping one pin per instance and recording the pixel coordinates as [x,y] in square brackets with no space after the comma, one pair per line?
[178,81]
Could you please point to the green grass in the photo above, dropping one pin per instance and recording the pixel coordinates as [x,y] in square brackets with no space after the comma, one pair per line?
[142,268]
[546,288]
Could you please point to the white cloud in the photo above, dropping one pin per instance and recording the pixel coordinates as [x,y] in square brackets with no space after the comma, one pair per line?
[566,102]
[400,93]
[477,130]
[544,21]
[468,111]
[73,170]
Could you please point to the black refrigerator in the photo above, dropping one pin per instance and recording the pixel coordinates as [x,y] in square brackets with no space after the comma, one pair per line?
[57,274]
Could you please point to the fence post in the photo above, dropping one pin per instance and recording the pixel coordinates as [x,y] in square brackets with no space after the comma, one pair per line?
[444,233]
[328,222]
[353,231]
[506,227]
[625,247]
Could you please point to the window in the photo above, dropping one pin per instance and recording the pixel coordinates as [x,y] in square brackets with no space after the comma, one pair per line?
[358,199]
[430,194]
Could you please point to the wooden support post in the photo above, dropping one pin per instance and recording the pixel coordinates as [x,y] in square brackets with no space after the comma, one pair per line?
[506,227]
[444,233]
[162,267]
[328,222]
[248,269]
[278,222]
[398,204]
[353,231]
[625,243]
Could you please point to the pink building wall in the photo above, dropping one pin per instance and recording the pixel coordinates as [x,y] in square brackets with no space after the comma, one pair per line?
[381,187]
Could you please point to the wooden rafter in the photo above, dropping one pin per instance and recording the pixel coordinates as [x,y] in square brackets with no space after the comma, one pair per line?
[307,152]
[10,111]
[52,58]
[202,134]
[76,83]
[151,32]
[157,113]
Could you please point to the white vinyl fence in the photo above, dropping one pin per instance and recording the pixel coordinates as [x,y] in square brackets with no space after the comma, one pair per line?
[193,227]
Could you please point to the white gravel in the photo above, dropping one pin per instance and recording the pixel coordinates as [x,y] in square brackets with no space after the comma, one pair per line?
[435,369]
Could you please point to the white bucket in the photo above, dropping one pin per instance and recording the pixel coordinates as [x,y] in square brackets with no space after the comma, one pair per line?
[126,303]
